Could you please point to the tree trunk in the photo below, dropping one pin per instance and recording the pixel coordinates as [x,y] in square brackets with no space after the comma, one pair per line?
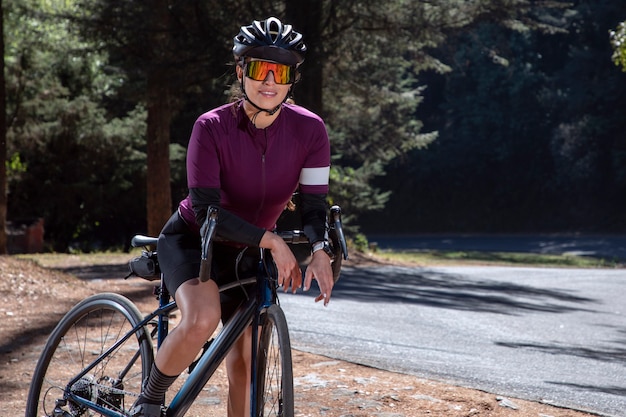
[159,104]
[3,144]
[306,18]
[159,196]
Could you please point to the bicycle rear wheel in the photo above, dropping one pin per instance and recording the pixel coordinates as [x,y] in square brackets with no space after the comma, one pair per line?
[88,330]
[274,368]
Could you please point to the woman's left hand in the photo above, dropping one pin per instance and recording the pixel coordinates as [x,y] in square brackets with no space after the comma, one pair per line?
[289,273]
[320,270]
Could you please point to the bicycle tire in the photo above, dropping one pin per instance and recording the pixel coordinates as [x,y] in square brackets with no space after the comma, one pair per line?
[86,331]
[275,396]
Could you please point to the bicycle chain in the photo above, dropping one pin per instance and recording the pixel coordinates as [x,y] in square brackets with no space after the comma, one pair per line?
[112,390]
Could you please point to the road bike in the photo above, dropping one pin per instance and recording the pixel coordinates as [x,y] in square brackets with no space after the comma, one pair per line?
[101,352]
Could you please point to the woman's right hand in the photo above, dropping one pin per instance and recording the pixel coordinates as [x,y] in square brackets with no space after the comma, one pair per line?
[289,272]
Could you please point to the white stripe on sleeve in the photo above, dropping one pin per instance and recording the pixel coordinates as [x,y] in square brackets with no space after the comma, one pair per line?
[314,176]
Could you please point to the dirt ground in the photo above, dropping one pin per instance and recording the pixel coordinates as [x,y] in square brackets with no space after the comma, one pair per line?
[34,295]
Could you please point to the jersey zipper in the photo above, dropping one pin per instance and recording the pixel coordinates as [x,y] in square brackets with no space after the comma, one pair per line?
[263,180]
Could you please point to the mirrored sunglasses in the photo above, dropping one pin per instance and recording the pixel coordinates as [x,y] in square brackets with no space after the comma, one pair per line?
[283,74]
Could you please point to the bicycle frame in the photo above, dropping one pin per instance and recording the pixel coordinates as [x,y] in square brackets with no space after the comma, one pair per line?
[248,313]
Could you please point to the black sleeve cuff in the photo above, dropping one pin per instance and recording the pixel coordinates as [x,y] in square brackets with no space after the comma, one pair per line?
[314,220]
[229,226]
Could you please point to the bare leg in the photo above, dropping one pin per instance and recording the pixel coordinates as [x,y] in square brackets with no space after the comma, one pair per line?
[238,368]
[199,305]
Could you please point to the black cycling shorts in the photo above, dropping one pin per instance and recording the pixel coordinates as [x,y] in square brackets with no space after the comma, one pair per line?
[179,252]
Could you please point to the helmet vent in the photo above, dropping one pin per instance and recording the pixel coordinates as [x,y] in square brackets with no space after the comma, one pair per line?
[273,29]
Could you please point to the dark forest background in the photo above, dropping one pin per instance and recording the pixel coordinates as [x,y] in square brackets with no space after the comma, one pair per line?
[531,134]
[444,116]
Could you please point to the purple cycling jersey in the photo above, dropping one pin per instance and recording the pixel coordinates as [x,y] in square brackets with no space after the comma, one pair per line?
[257,170]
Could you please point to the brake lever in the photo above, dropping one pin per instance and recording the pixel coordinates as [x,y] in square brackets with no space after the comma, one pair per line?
[335,214]
[207,244]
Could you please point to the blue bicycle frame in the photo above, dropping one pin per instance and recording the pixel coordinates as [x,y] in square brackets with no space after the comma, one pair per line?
[215,353]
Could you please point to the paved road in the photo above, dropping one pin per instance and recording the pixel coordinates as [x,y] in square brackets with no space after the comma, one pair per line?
[606,246]
[556,335]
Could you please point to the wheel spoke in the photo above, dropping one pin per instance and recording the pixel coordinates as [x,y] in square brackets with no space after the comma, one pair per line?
[87,331]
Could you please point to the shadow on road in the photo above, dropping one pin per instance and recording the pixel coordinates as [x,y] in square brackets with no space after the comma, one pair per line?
[610,247]
[604,355]
[437,289]
[613,390]
[91,272]
[414,285]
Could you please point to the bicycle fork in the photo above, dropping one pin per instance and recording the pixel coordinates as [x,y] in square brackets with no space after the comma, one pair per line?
[266,296]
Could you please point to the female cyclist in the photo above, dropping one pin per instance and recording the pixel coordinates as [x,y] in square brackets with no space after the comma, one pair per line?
[247,158]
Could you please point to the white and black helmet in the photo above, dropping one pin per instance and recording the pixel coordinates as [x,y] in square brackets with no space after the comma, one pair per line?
[270,40]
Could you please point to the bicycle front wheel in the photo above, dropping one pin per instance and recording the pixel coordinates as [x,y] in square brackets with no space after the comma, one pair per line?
[88,330]
[274,368]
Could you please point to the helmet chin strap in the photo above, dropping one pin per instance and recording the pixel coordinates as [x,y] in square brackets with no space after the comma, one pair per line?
[270,112]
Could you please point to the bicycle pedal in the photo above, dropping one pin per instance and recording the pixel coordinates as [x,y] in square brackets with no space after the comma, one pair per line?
[195,362]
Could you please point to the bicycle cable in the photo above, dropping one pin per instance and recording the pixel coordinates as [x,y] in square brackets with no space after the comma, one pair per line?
[237,261]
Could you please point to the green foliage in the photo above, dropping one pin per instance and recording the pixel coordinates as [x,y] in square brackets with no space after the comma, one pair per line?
[449,258]
[618,40]
[79,167]
[373,90]
[15,165]
[189,42]
[360,243]
[371,95]
[447,114]
[530,134]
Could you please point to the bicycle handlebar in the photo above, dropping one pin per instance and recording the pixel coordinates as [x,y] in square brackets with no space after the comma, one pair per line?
[290,237]
[293,236]
[208,233]
[335,213]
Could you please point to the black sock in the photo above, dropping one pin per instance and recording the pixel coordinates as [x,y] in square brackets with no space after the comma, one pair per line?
[157,385]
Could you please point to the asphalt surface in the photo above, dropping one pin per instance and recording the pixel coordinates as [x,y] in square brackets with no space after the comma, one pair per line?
[551,335]
[612,247]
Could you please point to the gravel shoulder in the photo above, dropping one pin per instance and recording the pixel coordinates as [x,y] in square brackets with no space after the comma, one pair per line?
[37,292]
